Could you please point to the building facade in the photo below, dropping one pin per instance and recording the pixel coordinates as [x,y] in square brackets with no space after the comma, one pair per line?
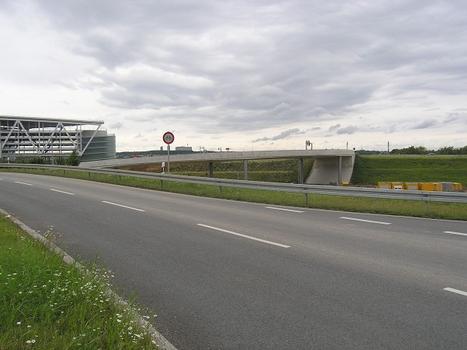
[27,137]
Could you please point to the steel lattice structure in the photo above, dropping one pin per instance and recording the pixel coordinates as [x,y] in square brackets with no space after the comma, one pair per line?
[26,136]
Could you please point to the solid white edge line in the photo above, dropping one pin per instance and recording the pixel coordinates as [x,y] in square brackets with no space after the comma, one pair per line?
[123,206]
[23,183]
[60,191]
[457,291]
[244,236]
[285,209]
[161,342]
[456,233]
[363,220]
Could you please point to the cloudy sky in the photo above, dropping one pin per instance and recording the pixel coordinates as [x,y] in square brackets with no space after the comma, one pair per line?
[244,74]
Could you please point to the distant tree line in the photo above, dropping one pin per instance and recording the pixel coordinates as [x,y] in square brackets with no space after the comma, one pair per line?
[423,150]
[419,150]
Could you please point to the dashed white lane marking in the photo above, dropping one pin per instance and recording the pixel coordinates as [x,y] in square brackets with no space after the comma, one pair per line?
[457,291]
[285,209]
[64,192]
[456,233]
[23,183]
[123,206]
[362,220]
[245,236]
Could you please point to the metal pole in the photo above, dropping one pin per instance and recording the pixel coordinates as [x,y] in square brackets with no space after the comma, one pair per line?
[168,158]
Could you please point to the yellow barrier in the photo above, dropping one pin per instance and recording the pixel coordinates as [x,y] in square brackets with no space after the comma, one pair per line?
[422,186]
[431,186]
[411,186]
[386,185]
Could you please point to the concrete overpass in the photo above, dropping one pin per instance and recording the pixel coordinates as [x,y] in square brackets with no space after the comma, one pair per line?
[330,166]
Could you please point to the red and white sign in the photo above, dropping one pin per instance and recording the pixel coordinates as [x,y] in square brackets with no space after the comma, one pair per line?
[168,137]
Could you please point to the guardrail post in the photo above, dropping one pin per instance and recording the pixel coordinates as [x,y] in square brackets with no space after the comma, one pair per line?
[245,169]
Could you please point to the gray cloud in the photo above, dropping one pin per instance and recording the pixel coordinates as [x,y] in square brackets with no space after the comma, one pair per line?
[233,66]
[425,124]
[283,135]
[117,125]
[334,127]
[455,117]
[348,130]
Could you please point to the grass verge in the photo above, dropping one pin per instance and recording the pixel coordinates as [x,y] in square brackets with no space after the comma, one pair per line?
[47,304]
[438,210]
[370,169]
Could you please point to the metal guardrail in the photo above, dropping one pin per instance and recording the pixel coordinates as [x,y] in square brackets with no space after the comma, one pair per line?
[452,197]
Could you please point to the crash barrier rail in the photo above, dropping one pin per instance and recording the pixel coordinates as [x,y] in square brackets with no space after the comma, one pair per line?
[452,197]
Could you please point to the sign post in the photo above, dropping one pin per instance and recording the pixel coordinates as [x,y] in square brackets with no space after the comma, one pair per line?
[168,138]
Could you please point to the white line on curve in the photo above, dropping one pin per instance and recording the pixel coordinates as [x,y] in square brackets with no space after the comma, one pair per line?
[285,209]
[457,291]
[64,192]
[23,183]
[123,206]
[245,236]
[362,220]
[456,233]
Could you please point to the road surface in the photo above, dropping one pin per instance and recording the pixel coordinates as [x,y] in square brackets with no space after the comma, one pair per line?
[233,275]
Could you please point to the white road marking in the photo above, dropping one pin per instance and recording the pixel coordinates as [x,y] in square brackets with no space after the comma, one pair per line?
[23,183]
[123,206]
[245,236]
[456,233]
[362,220]
[64,192]
[284,209]
[457,291]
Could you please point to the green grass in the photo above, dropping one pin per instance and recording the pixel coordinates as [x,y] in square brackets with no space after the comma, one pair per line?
[438,210]
[275,170]
[47,304]
[373,168]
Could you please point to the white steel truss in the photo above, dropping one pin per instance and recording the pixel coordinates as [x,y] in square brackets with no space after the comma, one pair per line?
[23,136]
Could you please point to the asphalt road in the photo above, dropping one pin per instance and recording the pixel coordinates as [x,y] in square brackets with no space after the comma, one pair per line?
[234,275]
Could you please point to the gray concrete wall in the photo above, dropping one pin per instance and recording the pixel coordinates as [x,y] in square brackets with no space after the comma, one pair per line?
[325,171]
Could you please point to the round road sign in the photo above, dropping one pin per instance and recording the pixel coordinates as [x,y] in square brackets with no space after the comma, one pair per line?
[168,137]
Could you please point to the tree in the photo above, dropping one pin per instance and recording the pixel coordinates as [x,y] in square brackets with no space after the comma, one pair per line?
[73,159]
